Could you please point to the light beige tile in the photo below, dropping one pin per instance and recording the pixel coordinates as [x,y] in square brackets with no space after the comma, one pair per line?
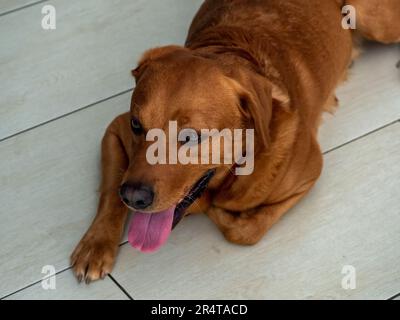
[370,98]
[48,73]
[351,218]
[48,183]
[49,176]
[8,5]
[67,288]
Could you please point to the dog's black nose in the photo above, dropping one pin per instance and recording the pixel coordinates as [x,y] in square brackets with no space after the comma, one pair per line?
[137,196]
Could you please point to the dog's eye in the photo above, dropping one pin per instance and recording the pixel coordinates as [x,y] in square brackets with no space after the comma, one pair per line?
[191,137]
[136,126]
[194,138]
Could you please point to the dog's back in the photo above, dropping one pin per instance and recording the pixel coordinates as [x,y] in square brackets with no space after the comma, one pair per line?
[304,40]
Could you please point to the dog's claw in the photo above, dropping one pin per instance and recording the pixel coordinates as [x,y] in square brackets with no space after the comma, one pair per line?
[93,260]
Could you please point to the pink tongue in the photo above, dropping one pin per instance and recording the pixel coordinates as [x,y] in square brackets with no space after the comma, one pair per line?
[149,231]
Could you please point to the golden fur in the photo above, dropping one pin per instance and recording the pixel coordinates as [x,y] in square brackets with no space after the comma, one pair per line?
[272,65]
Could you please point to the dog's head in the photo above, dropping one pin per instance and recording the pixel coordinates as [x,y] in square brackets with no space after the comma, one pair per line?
[178,95]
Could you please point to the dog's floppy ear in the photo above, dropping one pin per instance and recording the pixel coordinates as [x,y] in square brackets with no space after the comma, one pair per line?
[257,97]
[280,98]
[151,55]
[254,105]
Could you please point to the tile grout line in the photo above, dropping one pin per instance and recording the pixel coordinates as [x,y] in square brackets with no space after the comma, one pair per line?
[395,296]
[66,114]
[21,8]
[129,90]
[58,272]
[34,283]
[120,287]
[361,137]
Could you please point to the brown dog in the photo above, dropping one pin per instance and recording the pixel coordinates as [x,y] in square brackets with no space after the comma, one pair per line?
[271,65]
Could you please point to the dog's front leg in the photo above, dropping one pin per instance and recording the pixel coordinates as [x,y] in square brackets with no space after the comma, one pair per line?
[248,228]
[94,256]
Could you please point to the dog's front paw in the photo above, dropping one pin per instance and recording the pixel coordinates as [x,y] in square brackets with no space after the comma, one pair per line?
[93,258]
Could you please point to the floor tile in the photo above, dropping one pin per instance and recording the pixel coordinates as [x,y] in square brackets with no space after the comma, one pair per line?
[48,192]
[48,73]
[370,99]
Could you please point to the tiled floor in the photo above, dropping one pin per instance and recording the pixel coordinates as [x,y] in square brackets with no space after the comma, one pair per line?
[60,88]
